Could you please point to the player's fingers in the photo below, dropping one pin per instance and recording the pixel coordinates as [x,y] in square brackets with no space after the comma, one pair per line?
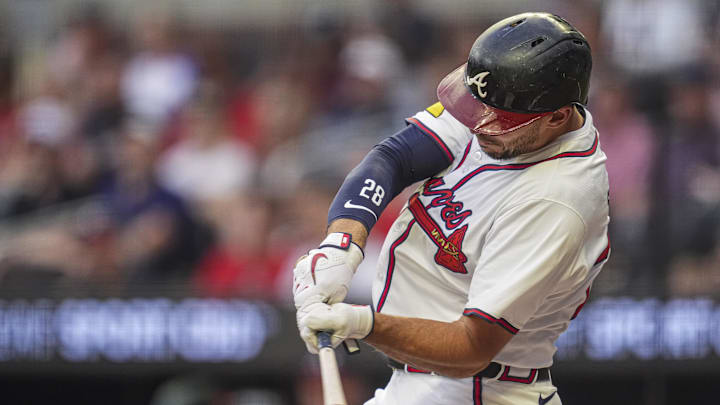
[309,296]
[310,348]
[310,338]
[321,318]
[338,295]
[312,303]
[336,340]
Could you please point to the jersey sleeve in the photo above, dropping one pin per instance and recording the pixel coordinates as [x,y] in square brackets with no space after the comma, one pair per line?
[529,249]
[452,136]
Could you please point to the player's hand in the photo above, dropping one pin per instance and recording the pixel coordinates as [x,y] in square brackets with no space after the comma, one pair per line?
[345,321]
[324,274]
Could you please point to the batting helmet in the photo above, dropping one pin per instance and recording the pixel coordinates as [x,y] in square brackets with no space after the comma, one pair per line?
[519,69]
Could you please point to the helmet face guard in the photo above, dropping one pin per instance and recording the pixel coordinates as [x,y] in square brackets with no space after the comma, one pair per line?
[454,94]
[520,69]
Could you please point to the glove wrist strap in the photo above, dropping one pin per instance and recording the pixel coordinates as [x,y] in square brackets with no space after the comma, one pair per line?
[339,240]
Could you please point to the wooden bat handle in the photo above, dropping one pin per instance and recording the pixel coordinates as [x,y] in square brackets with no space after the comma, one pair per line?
[330,375]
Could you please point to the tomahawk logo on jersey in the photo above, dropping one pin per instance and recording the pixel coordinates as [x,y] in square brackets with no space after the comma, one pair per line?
[523,257]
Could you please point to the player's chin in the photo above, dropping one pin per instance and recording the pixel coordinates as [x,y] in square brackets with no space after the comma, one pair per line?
[499,152]
[486,143]
[491,149]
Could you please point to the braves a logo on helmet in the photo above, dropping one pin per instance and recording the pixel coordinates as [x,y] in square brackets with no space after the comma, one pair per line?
[479,81]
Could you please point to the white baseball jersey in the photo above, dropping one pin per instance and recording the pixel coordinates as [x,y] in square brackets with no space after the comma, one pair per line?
[516,242]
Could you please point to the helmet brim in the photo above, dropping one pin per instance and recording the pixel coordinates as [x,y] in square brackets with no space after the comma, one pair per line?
[481,118]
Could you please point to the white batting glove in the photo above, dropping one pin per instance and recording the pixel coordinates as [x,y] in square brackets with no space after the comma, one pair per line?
[344,321]
[324,274]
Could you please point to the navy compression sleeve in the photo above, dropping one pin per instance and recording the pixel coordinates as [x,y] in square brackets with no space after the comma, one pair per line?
[397,162]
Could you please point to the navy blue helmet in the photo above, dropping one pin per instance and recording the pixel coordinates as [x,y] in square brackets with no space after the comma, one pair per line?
[520,69]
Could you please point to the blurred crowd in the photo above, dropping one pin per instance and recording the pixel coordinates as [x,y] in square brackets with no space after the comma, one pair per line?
[159,152]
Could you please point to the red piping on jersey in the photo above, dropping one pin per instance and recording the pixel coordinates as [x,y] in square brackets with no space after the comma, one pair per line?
[603,255]
[528,380]
[580,307]
[521,166]
[465,154]
[484,315]
[433,135]
[600,259]
[477,390]
[391,265]
[411,369]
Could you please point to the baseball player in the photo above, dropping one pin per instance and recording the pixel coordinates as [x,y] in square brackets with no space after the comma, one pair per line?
[495,252]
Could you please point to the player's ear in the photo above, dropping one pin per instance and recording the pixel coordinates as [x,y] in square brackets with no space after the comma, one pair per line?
[560,117]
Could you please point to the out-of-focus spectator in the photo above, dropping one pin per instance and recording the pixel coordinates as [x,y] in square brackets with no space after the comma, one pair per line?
[654,36]
[7,107]
[155,236]
[278,110]
[300,221]
[48,119]
[686,185]
[301,104]
[629,144]
[85,38]
[29,175]
[207,163]
[159,78]
[103,111]
[412,30]
[362,113]
[242,261]
[653,40]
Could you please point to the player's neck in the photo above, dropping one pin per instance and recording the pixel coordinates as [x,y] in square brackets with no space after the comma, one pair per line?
[574,122]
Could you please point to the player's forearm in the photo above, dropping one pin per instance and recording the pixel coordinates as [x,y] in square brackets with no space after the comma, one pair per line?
[397,162]
[445,348]
[355,228]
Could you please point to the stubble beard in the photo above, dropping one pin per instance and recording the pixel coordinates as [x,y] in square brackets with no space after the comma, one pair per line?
[518,146]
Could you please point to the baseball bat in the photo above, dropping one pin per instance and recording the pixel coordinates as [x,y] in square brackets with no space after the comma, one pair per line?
[329,374]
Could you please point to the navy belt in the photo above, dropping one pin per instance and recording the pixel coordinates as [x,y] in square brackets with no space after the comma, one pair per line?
[493,370]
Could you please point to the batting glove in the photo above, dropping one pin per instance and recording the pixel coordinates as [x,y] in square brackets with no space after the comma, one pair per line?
[324,274]
[344,321]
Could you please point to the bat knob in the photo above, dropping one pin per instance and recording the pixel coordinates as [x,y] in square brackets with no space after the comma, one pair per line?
[324,340]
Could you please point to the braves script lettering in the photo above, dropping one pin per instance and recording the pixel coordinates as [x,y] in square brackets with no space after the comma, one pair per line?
[449,254]
[452,211]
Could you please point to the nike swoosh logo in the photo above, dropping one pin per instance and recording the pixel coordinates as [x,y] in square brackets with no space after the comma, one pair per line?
[543,401]
[348,204]
[315,258]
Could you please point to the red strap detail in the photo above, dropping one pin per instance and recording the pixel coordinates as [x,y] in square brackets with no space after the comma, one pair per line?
[345,242]
[411,369]
[528,380]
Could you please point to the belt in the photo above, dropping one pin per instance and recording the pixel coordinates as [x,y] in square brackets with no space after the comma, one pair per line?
[493,370]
